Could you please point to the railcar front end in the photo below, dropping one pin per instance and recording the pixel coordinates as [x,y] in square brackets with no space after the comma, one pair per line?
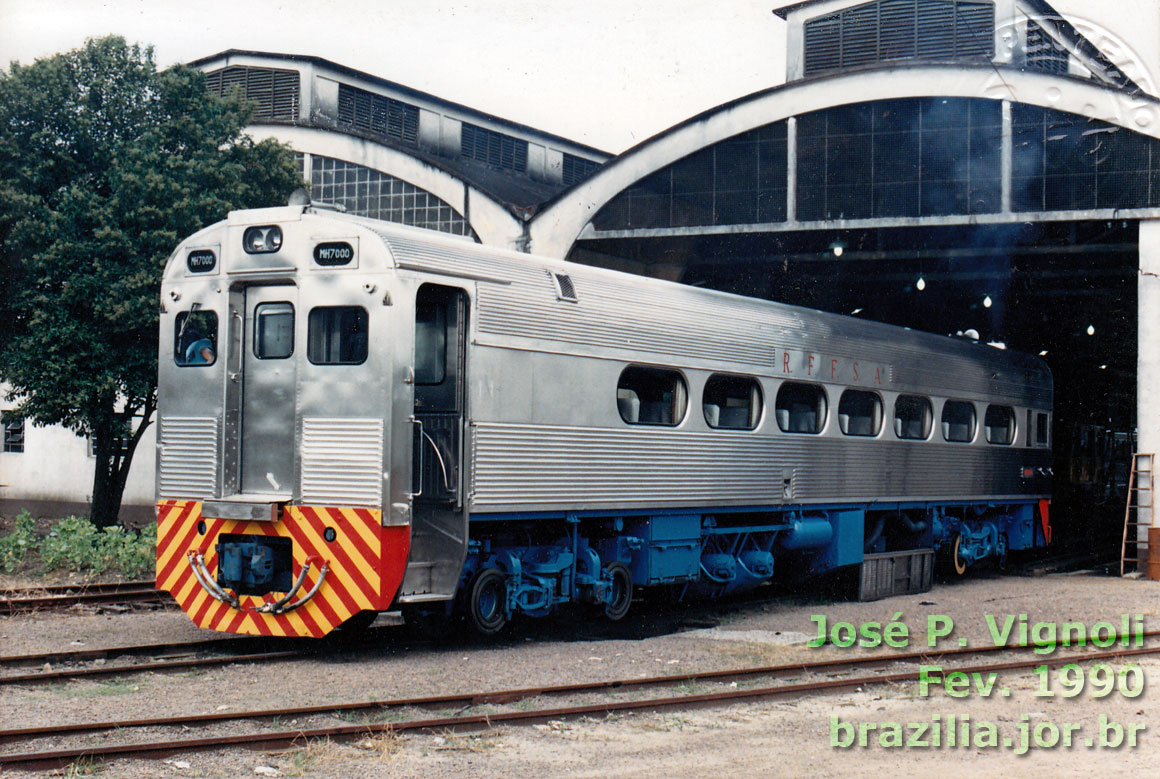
[275,423]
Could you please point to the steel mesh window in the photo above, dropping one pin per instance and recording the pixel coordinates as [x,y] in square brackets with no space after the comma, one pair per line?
[274,92]
[378,115]
[1064,162]
[899,29]
[915,157]
[368,192]
[741,180]
[495,149]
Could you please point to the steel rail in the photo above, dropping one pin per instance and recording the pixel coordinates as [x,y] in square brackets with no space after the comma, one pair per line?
[41,677]
[24,605]
[80,655]
[277,739]
[68,589]
[236,643]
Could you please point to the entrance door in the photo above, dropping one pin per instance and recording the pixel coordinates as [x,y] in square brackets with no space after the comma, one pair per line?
[268,391]
[439,530]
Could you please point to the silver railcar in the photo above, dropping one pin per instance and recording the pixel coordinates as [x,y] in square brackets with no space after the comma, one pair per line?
[356,416]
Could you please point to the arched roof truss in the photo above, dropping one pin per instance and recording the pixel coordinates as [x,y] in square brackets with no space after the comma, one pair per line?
[921,145]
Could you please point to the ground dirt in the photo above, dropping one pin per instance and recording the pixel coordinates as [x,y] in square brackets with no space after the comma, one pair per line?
[768,737]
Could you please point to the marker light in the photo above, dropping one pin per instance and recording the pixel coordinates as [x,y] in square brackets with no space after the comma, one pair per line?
[262,240]
[920,285]
[1091,330]
[987,302]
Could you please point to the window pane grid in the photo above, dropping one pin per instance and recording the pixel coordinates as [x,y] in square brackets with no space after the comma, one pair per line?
[741,180]
[14,436]
[912,157]
[368,192]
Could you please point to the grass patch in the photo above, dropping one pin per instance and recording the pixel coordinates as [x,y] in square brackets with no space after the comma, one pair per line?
[76,545]
[103,689]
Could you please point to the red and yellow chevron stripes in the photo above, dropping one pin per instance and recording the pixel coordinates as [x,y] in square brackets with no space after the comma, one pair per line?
[366,562]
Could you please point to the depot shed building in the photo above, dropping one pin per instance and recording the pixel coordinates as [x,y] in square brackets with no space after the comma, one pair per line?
[938,164]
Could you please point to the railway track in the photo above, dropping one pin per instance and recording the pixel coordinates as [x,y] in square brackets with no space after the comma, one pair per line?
[20,601]
[721,694]
[167,657]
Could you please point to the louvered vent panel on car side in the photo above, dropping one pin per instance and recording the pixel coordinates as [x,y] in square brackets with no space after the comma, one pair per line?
[342,461]
[189,457]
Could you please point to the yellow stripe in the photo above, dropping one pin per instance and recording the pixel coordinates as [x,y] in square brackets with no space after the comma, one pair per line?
[300,628]
[186,589]
[367,572]
[195,604]
[360,527]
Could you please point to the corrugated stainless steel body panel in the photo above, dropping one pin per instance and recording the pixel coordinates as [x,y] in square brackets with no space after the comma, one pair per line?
[342,461]
[188,466]
[517,467]
[618,314]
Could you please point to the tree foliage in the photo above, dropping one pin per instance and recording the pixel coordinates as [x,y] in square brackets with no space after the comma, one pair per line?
[105,164]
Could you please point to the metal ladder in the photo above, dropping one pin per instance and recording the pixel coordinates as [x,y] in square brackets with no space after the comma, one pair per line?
[1140,500]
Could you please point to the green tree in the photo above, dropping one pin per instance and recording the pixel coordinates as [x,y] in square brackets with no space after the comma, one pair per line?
[105,164]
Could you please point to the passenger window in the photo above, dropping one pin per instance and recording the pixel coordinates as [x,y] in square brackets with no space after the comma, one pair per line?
[1000,425]
[958,421]
[731,402]
[273,331]
[860,413]
[651,396]
[912,417]
[337,335]
[800,408]
[195,341]
[1041,430]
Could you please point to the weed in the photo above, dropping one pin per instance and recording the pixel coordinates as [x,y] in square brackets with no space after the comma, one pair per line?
[474,742]
[84,767]
[17,544]
[302,761]
[75,544]
[387,744]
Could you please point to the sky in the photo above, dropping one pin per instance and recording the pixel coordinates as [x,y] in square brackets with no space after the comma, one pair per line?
[609,73]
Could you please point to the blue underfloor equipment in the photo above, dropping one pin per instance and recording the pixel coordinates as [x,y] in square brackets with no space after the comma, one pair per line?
[710,554]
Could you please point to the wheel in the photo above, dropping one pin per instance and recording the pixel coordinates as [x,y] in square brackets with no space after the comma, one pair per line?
[486,606]
[955,564]
[620,599]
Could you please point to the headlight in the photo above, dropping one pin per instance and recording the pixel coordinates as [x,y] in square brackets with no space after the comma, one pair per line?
[262,240]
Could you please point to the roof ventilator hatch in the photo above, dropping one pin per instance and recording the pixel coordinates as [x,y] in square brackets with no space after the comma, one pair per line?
[565,290]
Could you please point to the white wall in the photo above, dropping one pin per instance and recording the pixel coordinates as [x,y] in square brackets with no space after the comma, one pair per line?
[56,467]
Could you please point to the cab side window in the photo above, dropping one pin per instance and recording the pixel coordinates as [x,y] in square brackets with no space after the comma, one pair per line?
[195,338]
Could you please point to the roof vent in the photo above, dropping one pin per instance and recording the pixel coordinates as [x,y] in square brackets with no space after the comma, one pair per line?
[565,290]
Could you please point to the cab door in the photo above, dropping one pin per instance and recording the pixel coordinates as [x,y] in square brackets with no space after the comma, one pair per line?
[269,383]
